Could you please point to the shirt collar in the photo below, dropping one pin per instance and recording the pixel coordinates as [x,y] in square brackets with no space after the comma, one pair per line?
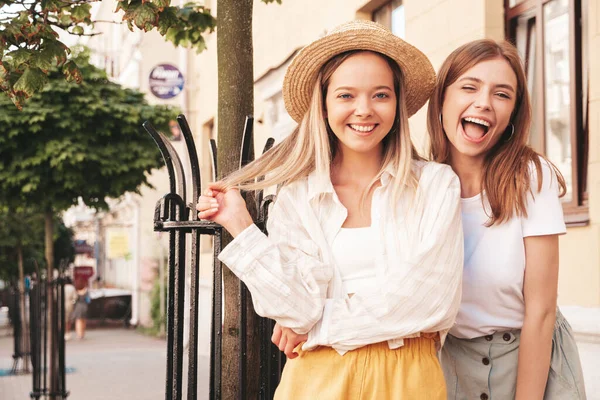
[318,185]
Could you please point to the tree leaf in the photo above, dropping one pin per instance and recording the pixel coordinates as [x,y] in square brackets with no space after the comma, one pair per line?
[161,4]
[51,5]
[31,81]
[55,50]
[19,57]
[81,12]
[142,15]
[166,19]
[72,72]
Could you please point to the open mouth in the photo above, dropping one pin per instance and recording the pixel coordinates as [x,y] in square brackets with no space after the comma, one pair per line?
[363,129]
[475,129]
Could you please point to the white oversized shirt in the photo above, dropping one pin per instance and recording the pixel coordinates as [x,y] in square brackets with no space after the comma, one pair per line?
[293,278]
[494,274]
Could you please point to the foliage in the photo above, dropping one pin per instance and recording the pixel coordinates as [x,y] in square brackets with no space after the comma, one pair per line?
[24,227]
[30,45]
[73,141]
[158,320]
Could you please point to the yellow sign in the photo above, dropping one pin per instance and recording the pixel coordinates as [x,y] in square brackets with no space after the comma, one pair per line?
[117,243]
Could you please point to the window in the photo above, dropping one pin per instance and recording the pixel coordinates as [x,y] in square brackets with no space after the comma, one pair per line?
[391,15]
[548,34]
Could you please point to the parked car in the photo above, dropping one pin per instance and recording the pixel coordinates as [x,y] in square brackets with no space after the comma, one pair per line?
[110,304]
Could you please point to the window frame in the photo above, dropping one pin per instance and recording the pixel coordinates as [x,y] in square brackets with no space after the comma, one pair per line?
[577,209]
[380,6]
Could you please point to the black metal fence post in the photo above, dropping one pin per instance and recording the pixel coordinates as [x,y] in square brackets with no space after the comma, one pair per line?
[39,325]
[172,214]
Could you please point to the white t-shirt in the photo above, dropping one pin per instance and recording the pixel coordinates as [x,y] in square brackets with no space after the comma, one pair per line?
[494,265]
[353,250]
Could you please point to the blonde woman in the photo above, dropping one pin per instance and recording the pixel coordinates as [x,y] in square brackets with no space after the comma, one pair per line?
[364,255]
[510,341]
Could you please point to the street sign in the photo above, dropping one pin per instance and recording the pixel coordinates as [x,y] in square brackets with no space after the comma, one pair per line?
[82,273]
[166,81]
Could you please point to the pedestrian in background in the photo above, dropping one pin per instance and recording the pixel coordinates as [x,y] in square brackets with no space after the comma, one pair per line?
[70,300]
[510,340]
[79,314]
[364,255]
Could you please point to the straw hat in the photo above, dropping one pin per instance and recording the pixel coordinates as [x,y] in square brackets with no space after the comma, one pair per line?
[301,75]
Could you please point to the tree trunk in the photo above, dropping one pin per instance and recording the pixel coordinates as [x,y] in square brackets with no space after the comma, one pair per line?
[236,97]
[24,316]
[52,341]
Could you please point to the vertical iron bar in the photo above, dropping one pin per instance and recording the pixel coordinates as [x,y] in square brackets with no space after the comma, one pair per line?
[61,339]
[45,332]
[180,214]
[217,321]
[179,301]
[33,333]
[195,261]
[170,314]
[171,386]
[54,344]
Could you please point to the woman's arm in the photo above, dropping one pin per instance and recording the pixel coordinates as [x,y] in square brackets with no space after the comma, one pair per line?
[284,272]
[540,292]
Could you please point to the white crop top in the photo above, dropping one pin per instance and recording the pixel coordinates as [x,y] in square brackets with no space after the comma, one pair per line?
[354,254]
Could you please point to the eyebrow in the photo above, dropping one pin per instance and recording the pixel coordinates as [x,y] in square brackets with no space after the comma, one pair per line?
[500,85]
[352,88]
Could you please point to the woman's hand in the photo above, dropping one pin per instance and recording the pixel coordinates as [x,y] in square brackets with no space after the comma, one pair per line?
[225,207]
[287,340]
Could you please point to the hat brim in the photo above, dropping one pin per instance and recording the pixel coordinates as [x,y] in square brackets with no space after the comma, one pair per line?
[300,78]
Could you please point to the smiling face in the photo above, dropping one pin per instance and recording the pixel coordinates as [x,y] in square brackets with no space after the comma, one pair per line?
[361,103]
[477,108]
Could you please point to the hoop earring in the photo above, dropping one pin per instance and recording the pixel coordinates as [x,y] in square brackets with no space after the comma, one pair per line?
[512,132]
[441,123]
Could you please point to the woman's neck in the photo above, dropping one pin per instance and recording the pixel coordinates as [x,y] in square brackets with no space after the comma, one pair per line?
[470,173]
[355,168]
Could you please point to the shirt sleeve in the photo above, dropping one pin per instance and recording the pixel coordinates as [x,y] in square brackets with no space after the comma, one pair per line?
[283,271]
[420,295]
[544,208]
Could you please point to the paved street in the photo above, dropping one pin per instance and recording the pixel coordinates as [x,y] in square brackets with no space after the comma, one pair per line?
[110,364]
[118,364]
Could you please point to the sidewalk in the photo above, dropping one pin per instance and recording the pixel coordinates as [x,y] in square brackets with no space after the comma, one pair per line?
[110,364]
[121,364]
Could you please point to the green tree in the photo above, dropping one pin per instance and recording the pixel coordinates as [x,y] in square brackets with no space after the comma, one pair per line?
[71,141]
[30,47]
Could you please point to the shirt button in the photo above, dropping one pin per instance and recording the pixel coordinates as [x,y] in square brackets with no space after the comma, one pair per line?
[489,338]
[485,361]
[506,337]
[484,396]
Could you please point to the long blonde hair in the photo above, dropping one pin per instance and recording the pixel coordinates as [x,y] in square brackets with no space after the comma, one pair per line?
[312,146]
[506,171]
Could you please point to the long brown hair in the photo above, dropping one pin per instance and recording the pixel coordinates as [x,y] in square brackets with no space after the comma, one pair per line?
[313,146]
[506,170]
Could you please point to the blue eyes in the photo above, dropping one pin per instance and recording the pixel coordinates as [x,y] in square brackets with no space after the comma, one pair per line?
[377,96]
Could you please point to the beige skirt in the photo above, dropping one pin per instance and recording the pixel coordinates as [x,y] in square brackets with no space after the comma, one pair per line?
[372,372]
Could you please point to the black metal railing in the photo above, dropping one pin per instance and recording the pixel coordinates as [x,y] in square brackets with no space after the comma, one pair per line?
[17,316]
[49,378]
[174,215]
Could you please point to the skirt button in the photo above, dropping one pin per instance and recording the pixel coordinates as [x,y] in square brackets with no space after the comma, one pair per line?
[506,337]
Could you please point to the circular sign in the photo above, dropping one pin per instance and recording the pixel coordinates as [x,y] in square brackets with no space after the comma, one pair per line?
[166,81]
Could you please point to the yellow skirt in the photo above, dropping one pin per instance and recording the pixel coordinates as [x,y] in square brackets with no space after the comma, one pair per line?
[372,372]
